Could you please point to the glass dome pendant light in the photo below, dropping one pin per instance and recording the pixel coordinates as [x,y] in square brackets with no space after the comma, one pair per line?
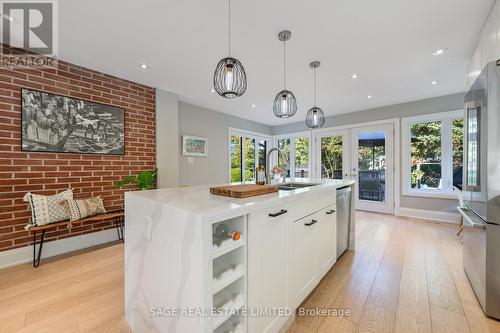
[285,104]
[230,79]
[315,117]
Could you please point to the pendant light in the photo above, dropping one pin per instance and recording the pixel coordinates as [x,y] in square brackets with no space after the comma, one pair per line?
[315,117]
[285,104]
[230,79]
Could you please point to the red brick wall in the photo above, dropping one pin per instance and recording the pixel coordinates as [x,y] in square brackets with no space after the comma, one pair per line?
[49,173]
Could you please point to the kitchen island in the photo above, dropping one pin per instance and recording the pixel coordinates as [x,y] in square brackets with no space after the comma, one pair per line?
[177,279]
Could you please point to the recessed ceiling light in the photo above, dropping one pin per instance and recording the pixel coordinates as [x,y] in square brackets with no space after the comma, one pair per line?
[354,76]
[438,52]
[434,83]
[253,105]
[144,66]
[212,90]
[370,96]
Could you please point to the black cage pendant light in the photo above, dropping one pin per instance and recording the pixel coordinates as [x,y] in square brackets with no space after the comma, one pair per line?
[230,79]
[285,104]
[315,117]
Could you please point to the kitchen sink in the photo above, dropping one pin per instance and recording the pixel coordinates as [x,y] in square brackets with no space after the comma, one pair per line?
[294,186]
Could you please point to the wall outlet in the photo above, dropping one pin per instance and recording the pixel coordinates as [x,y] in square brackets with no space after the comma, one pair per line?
[190,160]
[148,231]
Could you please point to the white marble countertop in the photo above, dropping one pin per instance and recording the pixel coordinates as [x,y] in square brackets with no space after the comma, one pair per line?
[199,201]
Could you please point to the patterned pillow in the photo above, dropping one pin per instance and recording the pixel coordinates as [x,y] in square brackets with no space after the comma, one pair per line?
[47,209]
[79,209]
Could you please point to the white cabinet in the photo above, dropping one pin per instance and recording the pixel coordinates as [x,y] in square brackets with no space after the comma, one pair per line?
[327,252]
[474,68]
[489,39]
[268,274]
[304,273]
[497,27]
[488,46]
[290,249]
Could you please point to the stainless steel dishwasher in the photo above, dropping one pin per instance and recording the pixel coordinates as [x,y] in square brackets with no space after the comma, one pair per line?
[343,219]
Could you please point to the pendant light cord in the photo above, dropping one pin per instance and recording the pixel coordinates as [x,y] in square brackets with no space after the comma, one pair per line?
[284,65]
[229,25]
[314,86]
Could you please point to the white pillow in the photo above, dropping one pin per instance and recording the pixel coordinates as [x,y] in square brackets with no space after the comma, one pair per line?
[79,209]
[47,209]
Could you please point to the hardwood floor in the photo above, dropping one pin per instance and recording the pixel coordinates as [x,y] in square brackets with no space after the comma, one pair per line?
[405,276]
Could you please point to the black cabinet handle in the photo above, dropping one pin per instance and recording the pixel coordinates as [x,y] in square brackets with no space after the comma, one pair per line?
[311,223]
[281,212]
[330,212]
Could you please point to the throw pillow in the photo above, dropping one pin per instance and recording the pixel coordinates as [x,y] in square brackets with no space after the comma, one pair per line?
[47,209]
[79,209]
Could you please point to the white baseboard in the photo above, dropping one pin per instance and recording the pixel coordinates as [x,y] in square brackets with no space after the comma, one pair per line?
[25,254]
[429,215]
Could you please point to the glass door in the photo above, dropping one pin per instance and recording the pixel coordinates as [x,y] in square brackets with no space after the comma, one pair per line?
[332,160]
[372,166]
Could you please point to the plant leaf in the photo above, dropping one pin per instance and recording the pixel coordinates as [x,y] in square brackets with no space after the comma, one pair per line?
[126,181]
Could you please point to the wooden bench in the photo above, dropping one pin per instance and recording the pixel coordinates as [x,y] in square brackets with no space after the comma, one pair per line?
[117,216]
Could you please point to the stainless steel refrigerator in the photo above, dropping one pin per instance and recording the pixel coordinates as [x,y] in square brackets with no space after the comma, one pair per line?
[481,236]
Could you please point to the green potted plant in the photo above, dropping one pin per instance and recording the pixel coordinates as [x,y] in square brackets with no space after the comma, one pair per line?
[144,180]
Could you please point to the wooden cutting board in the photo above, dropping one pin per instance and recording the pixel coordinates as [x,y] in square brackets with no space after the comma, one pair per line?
[243,191]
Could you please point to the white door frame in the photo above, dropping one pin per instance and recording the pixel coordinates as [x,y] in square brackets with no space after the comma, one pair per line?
[396,147]
[292,137]
[345,156]
[375,206]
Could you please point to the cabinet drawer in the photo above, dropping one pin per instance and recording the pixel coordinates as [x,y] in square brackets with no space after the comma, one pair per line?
[296,209]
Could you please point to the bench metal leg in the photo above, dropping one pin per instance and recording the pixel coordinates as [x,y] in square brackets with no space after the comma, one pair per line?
[36,259]
[119,229]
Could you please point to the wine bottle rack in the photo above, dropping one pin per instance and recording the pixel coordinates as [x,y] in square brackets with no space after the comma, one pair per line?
[229,282]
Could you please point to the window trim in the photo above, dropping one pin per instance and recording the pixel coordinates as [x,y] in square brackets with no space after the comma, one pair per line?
[245,134]
[292,137]
[446,151]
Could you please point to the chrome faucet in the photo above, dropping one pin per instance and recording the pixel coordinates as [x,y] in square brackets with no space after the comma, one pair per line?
[268,163]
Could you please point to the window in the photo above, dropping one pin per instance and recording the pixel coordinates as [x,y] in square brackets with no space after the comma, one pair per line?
[433,153]
[301,158]
[236,158]
[331,157]
[295,155]
[284,157]
[247,150]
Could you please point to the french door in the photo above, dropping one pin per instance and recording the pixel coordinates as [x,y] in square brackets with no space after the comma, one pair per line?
[365,154]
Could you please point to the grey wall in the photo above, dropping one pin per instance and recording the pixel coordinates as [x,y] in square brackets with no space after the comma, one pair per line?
[167,138]
[426,106]
[431,105]
[214,126]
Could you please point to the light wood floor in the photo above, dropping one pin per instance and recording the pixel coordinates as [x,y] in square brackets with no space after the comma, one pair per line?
[405,276]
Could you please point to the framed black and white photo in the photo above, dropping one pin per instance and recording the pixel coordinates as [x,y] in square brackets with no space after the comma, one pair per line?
[194,146]
[60,124]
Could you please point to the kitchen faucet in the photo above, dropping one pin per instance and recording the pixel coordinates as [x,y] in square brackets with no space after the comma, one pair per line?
[268,163]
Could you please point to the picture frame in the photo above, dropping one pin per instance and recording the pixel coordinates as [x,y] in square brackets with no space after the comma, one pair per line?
[61,124]
[194,146]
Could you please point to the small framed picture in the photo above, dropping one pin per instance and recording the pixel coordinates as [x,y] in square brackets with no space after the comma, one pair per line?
[194,146]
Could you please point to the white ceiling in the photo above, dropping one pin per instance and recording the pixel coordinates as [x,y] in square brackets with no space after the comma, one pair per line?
[387,43]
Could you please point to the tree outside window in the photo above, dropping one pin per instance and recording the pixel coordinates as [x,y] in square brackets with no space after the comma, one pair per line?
[247,152]
[426,155]
[301,157]
[433,145]
[235,158]
[331,157]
